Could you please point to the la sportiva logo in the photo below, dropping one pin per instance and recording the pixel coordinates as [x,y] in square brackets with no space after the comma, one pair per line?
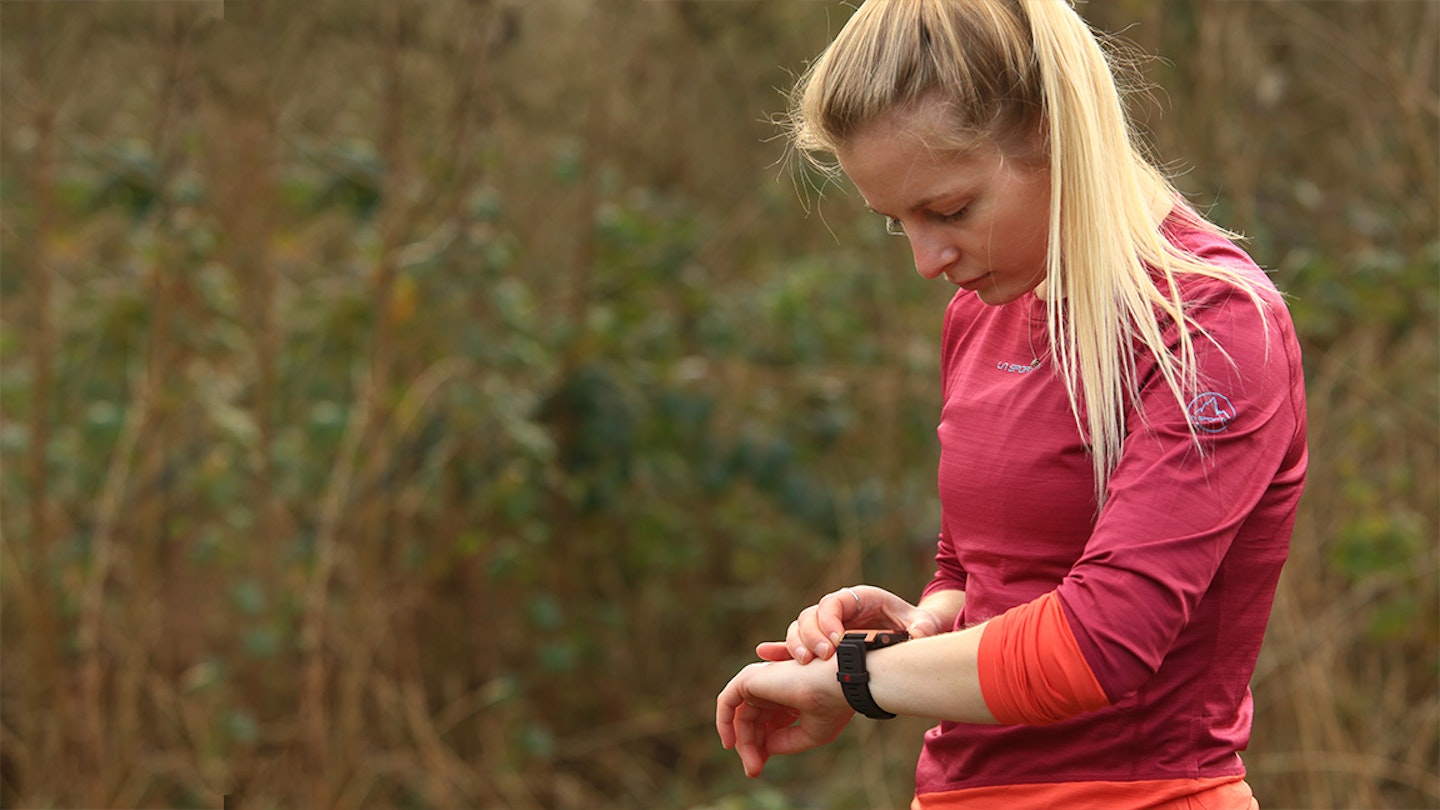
[1211,412]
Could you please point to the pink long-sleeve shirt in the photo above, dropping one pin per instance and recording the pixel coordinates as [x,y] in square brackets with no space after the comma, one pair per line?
[1168,588]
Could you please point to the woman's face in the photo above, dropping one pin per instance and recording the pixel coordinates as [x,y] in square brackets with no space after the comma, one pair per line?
[980,219]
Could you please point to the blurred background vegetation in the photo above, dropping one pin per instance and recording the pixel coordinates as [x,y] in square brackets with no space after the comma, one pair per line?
[429,405]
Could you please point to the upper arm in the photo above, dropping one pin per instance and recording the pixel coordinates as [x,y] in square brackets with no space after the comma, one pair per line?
[1178,499]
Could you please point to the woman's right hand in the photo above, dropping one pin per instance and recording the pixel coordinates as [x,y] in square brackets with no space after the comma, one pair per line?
[815,632]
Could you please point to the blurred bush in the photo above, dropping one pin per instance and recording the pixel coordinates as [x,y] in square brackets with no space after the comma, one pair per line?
[431,405]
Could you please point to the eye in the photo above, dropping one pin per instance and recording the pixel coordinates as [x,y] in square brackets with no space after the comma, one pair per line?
[893,227]
[954,216]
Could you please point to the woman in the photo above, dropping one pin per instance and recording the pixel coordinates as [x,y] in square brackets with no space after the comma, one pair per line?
[1122,434]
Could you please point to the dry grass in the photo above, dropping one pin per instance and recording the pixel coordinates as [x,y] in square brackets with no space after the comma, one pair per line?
[428,406]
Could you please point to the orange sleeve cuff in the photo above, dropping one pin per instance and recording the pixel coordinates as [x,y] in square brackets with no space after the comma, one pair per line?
[1031,667]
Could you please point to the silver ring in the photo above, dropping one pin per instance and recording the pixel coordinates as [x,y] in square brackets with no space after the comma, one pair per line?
[853,595]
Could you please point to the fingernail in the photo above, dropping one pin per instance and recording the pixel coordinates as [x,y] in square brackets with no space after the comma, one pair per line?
[802,655]
[823,650]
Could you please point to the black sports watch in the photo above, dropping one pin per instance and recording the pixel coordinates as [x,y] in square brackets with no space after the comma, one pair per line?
[850,668]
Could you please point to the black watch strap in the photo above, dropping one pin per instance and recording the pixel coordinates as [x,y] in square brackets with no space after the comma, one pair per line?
[851,673]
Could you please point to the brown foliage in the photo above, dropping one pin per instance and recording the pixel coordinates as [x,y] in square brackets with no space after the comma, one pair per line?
[428,405]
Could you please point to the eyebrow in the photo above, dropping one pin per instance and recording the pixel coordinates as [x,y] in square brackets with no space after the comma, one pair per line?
[925,202]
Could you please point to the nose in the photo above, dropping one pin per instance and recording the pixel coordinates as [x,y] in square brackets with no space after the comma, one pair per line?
[934,254]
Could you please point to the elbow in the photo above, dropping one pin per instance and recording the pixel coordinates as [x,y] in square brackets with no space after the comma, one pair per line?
[1031,667]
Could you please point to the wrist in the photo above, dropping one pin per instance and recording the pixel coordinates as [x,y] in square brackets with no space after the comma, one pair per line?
[853,675]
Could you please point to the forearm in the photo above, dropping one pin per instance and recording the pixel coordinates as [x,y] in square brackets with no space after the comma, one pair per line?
[784,706]
[1023,666]
[934,677]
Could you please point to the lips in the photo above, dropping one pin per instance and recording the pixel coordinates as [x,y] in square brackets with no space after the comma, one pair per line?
[972,285]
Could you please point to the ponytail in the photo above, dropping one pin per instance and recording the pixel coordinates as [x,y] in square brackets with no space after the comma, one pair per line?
[1103,244]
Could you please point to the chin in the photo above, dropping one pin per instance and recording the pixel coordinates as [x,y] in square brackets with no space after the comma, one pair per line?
[995,298]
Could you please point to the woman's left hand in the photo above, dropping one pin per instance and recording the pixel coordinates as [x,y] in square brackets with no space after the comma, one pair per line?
[780,707]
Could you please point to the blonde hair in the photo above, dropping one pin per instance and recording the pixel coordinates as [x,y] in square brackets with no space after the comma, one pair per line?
[1006,70]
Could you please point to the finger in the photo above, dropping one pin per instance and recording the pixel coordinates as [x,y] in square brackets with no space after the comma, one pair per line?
[809,640]
[923,623]
[726,708]
[804,638]
[811,732]
[835,609]
[830,618]
[773,651]
[758,726]
[795,647]
[750,734]
[752,759]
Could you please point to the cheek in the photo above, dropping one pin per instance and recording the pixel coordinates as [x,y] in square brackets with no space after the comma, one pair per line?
[1031,232]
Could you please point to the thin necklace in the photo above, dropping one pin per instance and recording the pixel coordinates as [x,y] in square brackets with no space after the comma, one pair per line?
[1030,339]
[1030,336]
